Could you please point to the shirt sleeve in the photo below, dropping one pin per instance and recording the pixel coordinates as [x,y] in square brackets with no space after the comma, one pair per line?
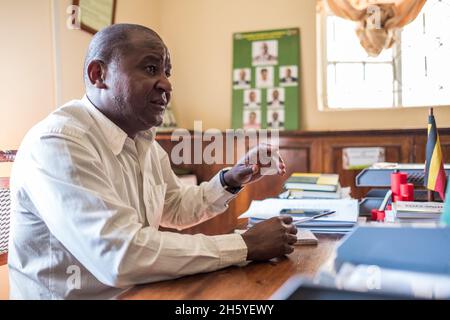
[73,195]
[188,205]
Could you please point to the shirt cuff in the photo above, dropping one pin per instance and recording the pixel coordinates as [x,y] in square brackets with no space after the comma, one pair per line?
[216,193]
[232,249]
[232,190]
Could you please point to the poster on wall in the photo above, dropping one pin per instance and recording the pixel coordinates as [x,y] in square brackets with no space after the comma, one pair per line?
[266,79]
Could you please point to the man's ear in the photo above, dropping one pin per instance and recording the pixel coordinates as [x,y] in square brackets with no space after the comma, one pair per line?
[96,72]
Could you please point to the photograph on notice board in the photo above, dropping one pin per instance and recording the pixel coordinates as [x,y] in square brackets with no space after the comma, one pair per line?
[252,119]
[252,99]
[264,77]
[288,76]
[275,119]
[242,78]
[265,52]
[275,98]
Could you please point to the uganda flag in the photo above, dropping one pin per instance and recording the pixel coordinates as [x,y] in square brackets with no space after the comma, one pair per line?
[435,178]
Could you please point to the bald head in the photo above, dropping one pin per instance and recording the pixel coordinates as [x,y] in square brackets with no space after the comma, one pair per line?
[114,41]
[127,70]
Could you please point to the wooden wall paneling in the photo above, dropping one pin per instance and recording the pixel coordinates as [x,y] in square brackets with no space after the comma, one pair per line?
[398,149]
[314,152]
[204,172]
[228,219]
[297,156]
[421,143]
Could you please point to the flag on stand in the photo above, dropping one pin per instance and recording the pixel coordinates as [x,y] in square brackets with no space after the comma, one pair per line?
[435,178]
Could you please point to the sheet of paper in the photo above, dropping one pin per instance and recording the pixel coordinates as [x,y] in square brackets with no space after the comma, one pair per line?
[360,158]
[346,209]
[304,236]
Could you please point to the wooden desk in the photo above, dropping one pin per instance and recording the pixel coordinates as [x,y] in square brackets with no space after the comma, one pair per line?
[258,280]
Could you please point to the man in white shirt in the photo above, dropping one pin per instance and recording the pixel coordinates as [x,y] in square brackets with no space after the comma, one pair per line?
[90,188]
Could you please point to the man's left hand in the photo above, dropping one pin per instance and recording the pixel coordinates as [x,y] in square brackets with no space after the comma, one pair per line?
[261,160]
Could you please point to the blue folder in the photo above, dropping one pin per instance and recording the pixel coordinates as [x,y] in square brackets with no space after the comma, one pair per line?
[412,249]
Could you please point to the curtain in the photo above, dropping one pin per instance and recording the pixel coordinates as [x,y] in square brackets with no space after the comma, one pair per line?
[378,20]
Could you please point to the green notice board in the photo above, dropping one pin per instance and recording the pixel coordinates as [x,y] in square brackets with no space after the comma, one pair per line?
[266,79]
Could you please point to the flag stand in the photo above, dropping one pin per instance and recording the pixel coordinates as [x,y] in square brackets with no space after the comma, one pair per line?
[430,193]
[435,177]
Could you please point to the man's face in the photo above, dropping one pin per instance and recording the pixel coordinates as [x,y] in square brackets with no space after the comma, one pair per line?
[141,88]
[252,96]
[252,118]
[288,73]
[264,74]
[275,94]
[242,75]
[264,48]
[275,116]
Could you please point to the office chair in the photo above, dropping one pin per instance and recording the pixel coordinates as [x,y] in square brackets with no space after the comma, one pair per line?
[5,204]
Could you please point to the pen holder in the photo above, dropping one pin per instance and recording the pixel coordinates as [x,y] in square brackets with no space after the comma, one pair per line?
[397,179]
[407,191]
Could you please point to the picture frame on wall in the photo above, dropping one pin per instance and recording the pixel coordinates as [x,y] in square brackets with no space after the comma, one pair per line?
[96,14]
[266,88]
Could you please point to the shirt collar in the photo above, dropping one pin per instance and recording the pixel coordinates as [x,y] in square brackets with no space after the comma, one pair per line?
[149,134]
[115,137]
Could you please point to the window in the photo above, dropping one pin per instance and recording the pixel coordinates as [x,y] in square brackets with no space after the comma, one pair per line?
[414,72]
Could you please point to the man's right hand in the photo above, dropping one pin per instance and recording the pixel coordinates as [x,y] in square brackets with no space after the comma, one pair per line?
[271,238]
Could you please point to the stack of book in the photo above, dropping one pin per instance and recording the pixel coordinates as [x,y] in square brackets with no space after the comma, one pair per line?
[417,212]
[314,186]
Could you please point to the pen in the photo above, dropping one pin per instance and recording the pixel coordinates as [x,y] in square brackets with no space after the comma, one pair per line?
[295,223]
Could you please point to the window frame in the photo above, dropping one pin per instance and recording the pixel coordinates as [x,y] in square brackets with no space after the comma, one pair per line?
[322,13]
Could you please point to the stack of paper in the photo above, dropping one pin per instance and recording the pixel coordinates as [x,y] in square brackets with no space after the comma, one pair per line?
[342,221]
[304,237]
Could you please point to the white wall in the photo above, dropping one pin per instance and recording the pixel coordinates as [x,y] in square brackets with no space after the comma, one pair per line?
[26,64]
[199,35]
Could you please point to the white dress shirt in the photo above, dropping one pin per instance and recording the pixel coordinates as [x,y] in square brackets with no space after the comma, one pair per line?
[87,202]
